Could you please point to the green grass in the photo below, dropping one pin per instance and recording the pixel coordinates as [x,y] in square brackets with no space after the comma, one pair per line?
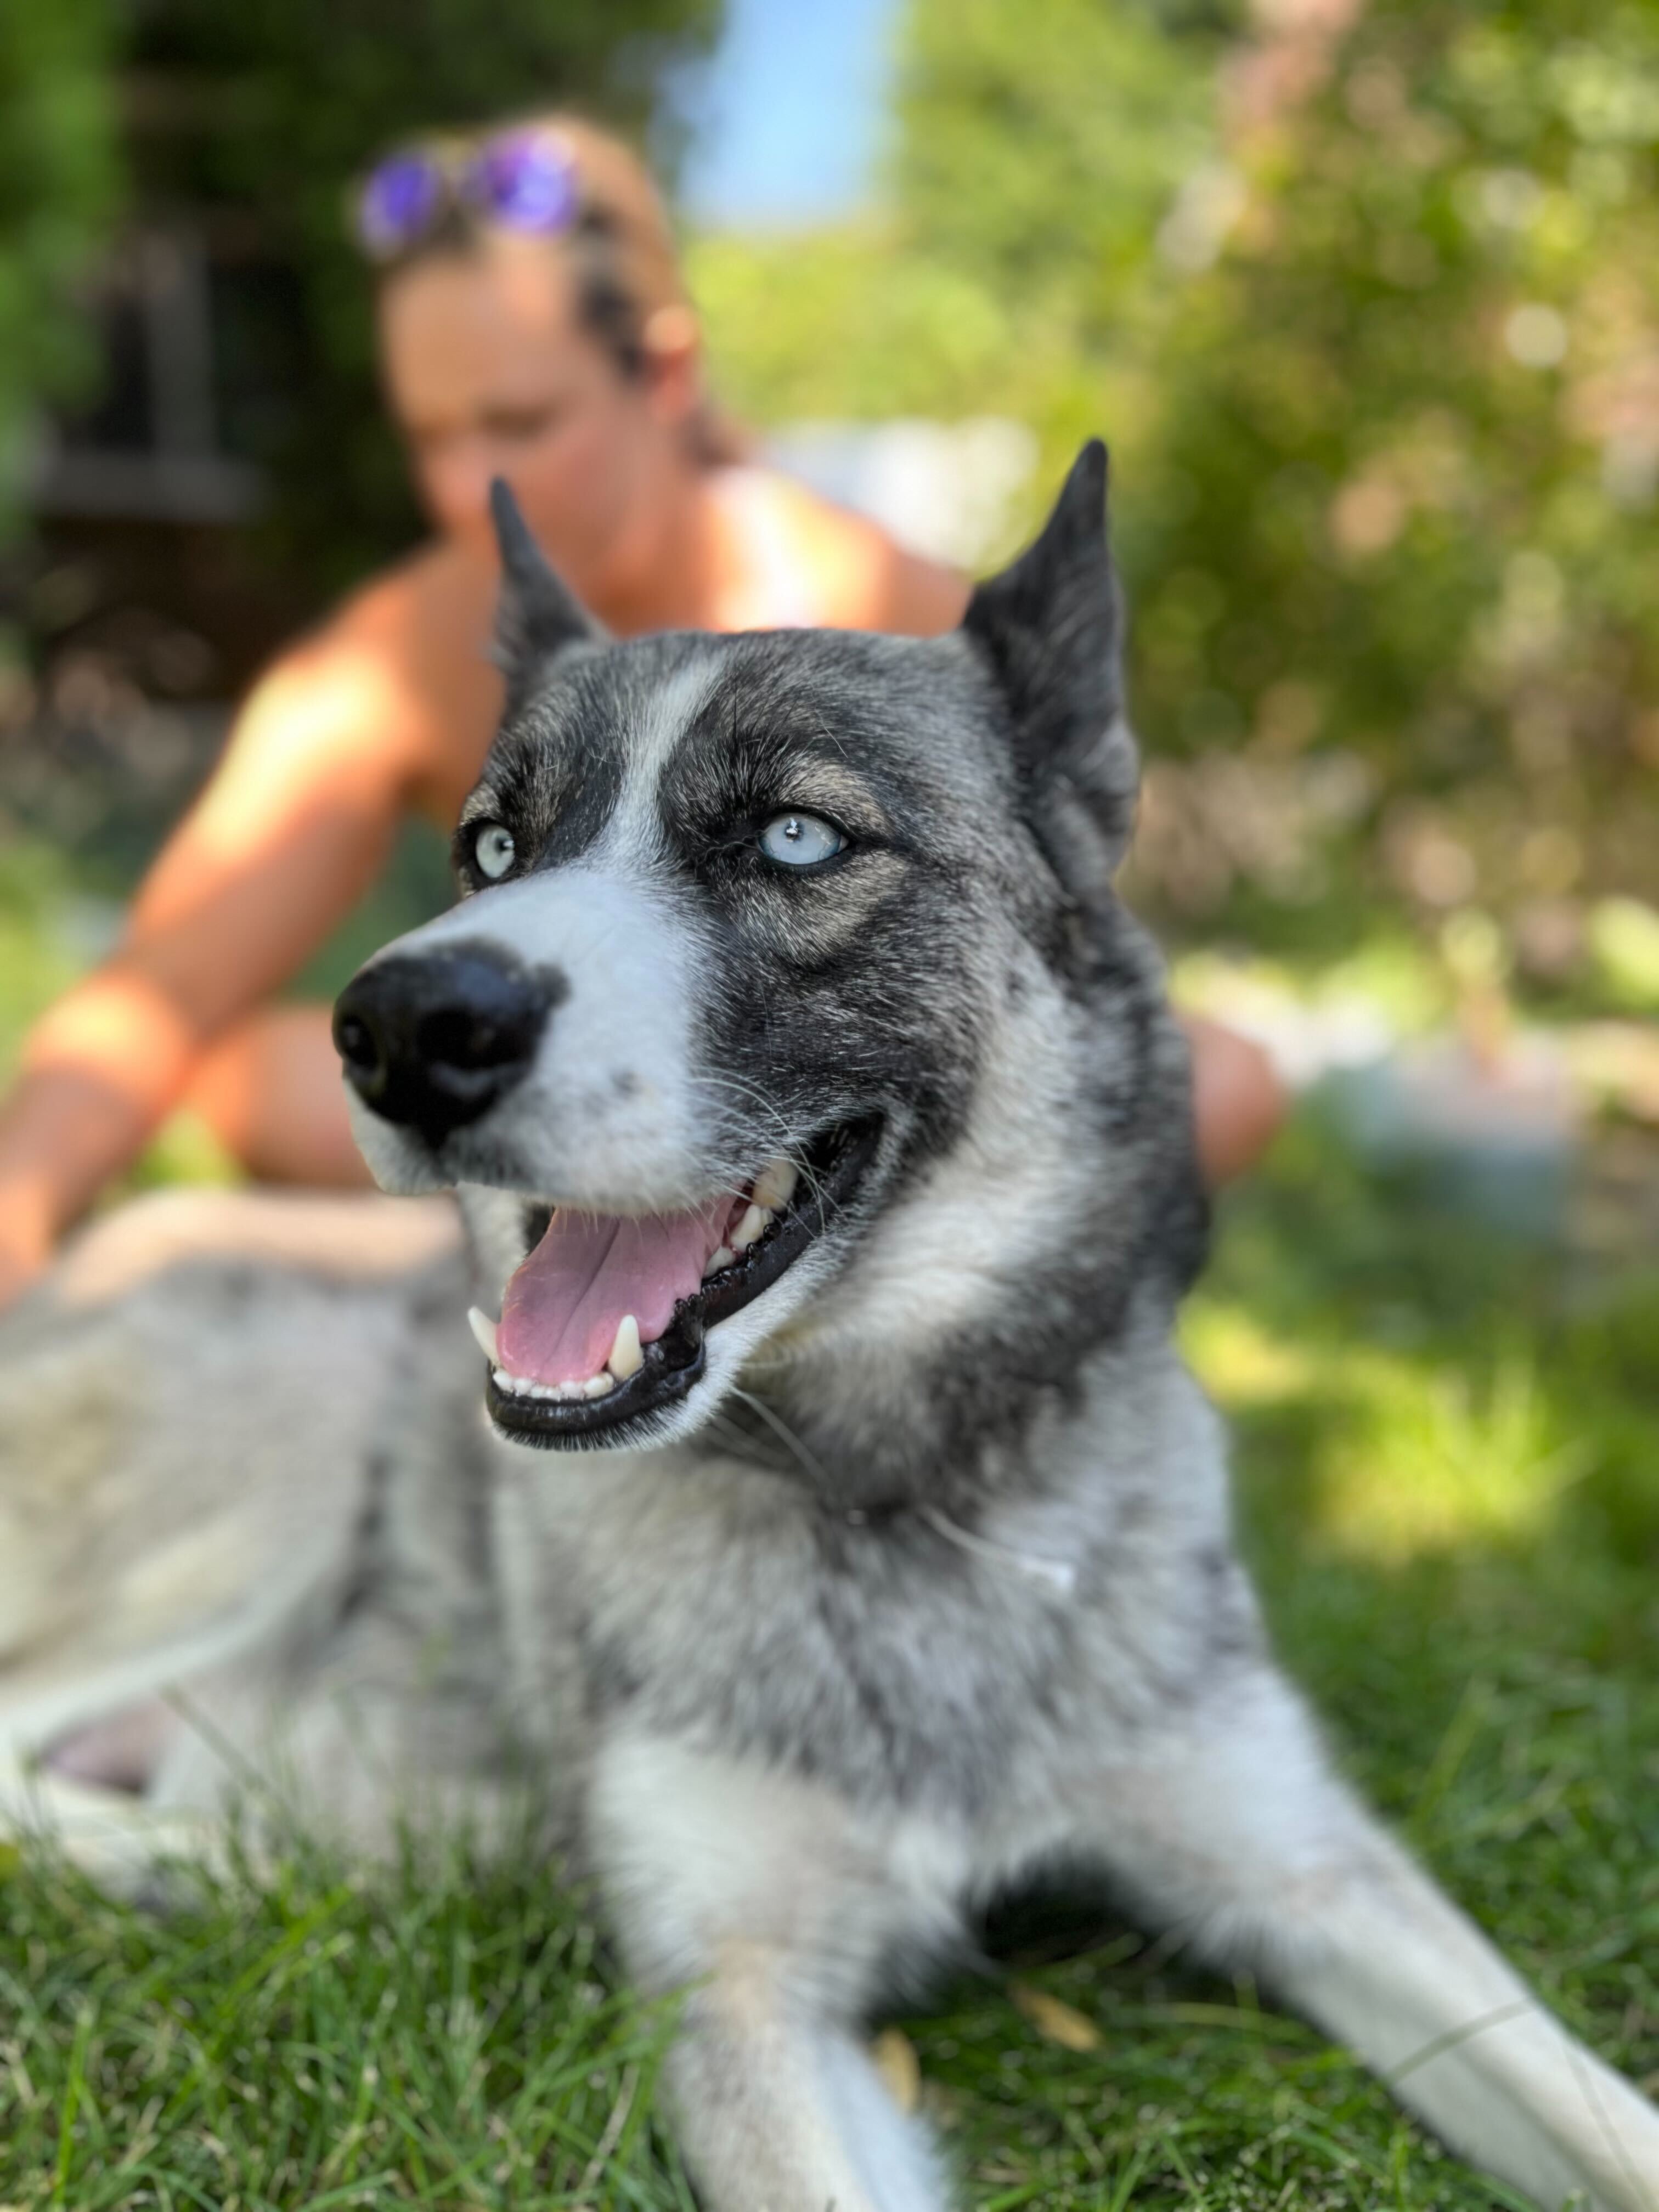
[321,2040]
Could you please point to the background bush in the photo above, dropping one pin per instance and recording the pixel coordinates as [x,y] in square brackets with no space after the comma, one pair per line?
[58,176]
[1369,309]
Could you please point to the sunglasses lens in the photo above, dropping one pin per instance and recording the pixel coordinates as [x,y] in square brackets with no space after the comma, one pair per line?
[399,201]
[526,180]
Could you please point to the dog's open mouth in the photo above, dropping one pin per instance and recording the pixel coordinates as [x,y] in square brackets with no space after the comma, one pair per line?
[607,1317]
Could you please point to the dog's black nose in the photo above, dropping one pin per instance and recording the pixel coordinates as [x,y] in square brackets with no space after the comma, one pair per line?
[433,1042]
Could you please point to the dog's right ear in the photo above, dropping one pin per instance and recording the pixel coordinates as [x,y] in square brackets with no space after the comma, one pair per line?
[536,617]
[1050,628]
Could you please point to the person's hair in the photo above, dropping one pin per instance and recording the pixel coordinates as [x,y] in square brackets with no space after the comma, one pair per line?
[621,245]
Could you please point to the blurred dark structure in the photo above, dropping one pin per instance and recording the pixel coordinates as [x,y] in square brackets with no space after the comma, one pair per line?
[147,501]
[230,469]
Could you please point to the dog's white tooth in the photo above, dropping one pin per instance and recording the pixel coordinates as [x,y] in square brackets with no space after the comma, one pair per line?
[597,1386]
[626,1356]
[754,1225]
[723,1258]
[484,1329]
[774,1186]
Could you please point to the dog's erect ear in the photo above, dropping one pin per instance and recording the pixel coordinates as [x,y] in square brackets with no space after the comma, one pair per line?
[1050,626]
[536,615]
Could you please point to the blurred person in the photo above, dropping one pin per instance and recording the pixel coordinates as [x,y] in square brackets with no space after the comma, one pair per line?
[532,323]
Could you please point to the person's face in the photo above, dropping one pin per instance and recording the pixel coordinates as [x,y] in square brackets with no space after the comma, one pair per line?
[491,372]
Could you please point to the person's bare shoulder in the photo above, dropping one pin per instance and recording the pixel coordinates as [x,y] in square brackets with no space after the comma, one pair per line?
[918,597]
[863,579]
[420,630]
[393,604]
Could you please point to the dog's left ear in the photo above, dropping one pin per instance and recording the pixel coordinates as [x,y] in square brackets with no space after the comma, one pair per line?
[1050,626]
[536,617]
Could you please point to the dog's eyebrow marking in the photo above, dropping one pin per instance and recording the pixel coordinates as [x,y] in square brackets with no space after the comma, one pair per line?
[758,749]
[672,705]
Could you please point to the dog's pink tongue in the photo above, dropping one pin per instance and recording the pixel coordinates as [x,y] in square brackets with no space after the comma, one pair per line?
[562,1308]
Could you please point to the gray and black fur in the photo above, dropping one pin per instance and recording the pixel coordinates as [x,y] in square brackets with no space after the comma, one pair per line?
[906,1572]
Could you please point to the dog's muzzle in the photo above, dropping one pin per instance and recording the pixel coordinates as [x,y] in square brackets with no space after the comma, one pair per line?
[433,1042]
[606,1316]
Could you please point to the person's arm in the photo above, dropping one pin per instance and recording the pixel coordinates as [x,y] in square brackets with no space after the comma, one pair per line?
[290,829]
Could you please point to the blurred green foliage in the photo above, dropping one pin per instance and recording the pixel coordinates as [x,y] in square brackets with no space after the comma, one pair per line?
[58,191]
[1400,487]
[269,110]
[1036,149]
[1371,317]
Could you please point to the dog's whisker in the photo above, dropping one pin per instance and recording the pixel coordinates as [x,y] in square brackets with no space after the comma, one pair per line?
[781,1429]
[790,1144]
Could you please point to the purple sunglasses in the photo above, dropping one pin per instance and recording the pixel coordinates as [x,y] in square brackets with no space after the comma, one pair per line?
[523,179]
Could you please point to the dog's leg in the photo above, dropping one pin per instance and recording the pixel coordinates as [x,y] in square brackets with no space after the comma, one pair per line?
[117,1839]
[780,2112]
[1234,1830]
[763,1900]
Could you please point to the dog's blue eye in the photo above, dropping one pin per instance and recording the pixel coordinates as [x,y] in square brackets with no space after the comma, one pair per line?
[800,840]
[494,850]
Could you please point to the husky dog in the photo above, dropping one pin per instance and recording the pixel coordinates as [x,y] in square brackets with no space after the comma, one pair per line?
[824,1141]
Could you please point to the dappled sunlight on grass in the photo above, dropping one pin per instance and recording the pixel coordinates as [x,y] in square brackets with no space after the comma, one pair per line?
[1433,1461]
[1407,1455]
[1398,973]
[1405,1380]
[1240,1363]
